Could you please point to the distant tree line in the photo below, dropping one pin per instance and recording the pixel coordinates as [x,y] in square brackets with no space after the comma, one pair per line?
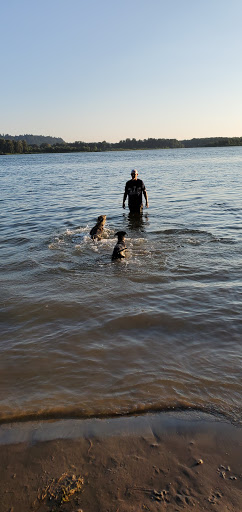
[212,142]
[15,145]
[33,139]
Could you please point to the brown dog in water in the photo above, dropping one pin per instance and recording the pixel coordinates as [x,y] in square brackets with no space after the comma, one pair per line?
[97,231]
[120,247]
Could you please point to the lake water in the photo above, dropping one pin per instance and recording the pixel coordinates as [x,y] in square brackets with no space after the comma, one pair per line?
[83,336]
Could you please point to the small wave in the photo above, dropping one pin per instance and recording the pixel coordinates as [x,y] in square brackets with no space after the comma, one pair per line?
[186,231]
[56,244]
[193,241]
[17,241]
[197,237]
[138,410]
[226,207]
[222,240]
[234,228]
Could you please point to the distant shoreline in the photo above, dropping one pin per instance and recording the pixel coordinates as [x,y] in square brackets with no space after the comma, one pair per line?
[112,150]
[32,144]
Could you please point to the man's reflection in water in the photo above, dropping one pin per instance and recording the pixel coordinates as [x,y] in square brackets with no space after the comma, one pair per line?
[136,221]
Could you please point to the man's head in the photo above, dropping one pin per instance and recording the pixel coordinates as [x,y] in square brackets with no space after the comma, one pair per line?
[134,174]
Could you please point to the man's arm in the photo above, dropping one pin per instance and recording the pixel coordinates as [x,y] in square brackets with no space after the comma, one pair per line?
[124,198]
[146,198]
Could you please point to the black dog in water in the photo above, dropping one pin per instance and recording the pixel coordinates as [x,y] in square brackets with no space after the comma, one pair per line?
[97,231]
[120,247]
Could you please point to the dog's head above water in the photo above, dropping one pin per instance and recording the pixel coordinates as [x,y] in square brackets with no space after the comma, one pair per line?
[121,235]
[101,219]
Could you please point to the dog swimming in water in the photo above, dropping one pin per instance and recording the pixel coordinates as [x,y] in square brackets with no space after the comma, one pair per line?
[97,231]
[120,247]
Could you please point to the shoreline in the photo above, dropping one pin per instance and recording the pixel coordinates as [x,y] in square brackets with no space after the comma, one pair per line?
[165,461]
[123,149]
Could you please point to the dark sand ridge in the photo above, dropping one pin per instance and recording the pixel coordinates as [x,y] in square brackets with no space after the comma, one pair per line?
[167,461]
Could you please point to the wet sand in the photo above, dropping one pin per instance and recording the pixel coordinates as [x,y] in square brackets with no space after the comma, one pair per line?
[168,461]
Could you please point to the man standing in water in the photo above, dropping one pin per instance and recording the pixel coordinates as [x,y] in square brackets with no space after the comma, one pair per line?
[134,189]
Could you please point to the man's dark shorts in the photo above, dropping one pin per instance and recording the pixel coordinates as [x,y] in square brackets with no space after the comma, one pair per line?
[136,209]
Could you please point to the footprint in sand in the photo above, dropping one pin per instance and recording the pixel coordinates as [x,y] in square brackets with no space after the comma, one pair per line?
[215,497]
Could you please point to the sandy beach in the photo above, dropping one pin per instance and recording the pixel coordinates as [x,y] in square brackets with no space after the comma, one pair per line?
[168,461]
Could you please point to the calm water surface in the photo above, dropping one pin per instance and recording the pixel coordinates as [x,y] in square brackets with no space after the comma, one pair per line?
[83,336]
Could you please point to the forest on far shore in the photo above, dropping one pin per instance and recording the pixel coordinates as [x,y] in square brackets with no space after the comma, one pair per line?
[40,144]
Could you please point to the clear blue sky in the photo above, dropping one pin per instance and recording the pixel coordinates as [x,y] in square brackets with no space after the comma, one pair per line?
[99,70]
